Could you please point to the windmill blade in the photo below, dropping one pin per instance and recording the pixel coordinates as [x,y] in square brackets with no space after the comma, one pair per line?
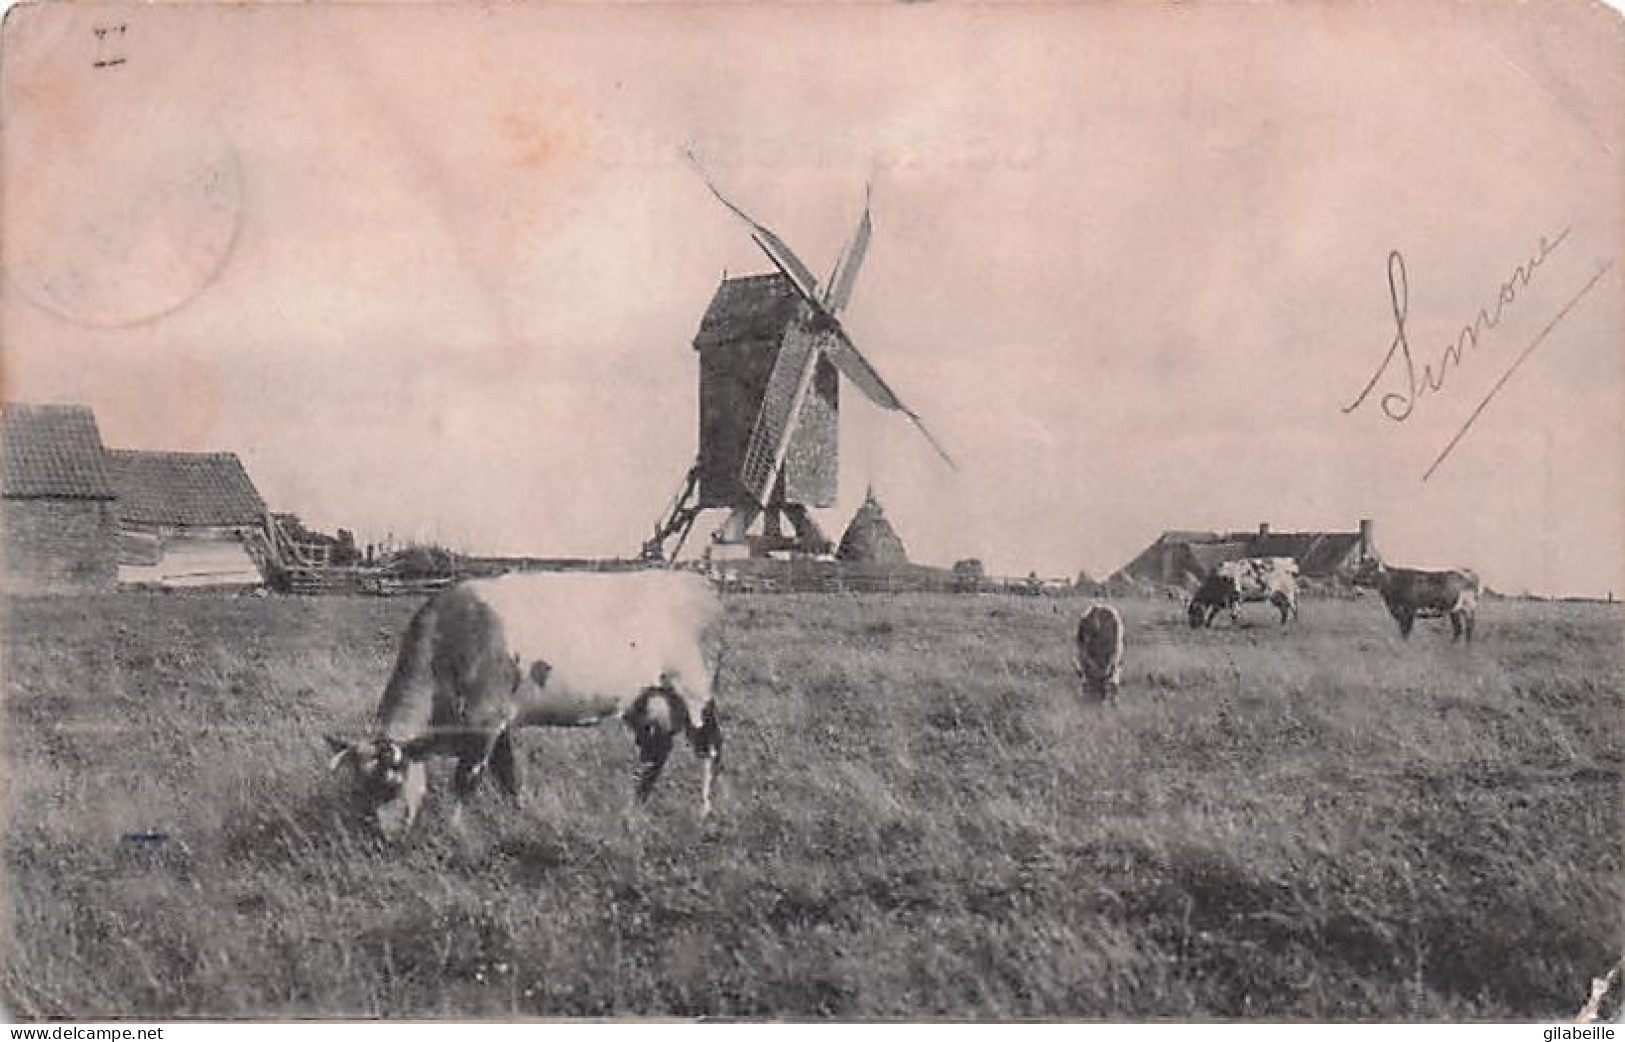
[841,351]
[781,407]
[914,417]
[846,357]
[782,256]
[838,291]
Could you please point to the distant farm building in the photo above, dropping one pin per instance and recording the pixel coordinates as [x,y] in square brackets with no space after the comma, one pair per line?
[59,519]
[78,516]
[1185,558]
[188,519]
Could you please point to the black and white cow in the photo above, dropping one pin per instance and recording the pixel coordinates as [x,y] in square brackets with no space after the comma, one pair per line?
[1248,579]
[561,649]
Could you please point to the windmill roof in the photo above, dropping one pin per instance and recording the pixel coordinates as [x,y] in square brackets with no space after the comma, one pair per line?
[52,451]
[748,307]
[184,488]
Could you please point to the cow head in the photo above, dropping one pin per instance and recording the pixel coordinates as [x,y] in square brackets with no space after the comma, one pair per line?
[1368,573]
[388,780]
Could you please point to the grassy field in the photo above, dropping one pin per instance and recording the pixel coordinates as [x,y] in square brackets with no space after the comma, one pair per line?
[920,818]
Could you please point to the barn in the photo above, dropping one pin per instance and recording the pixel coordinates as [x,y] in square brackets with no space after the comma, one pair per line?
[188,519]
[1184,558]
[58,518]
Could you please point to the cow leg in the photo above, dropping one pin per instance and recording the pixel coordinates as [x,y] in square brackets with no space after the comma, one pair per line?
[1467,619]
[707,742]
[707,738]
[654,719]
[504,766]
[466,779]
[1406,621]
[654,746]
[477,752]
[484,695]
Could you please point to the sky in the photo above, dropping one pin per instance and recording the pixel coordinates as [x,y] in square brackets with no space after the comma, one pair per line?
[435,270]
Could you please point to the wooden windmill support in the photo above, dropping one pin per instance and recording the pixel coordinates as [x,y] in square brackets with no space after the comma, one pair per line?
[678,521]
[807,537]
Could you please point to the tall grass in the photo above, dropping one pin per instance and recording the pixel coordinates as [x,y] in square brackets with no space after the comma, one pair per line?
[921,817]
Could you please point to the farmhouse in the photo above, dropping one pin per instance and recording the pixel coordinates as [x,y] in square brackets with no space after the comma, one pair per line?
[188,519]
[1182,558]
[78,516]
[58,520]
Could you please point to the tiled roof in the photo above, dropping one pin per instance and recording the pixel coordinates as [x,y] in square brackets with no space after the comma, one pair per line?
[1209,556]
[1317,552]
[52,451]
[1175,535]
[184,488]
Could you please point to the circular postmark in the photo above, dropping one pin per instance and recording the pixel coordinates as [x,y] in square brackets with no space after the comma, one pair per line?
[125,225]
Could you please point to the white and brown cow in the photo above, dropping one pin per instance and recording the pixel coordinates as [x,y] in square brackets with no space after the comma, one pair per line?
[1100,651]
[1248,579]
[562,649]
[1411,593]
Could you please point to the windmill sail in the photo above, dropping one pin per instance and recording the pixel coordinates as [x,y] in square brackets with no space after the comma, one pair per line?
[776,249]
[781,405]
[838,291]
[846,357]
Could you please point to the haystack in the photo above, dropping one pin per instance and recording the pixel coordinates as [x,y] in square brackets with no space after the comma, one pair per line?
[870,538]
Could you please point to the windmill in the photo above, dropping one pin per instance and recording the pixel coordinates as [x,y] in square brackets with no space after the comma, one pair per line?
[772,351]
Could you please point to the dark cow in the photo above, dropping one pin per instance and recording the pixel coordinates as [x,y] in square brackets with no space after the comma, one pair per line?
[540,650]
[1272,579]
[1411,594]
[1100,651]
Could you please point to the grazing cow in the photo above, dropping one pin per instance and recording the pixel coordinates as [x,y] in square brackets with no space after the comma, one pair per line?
[1100,651]
[539,650]
[1410,594]
[1273,579]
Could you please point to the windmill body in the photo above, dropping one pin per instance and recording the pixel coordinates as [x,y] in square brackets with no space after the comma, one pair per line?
[772,352]
[739,342]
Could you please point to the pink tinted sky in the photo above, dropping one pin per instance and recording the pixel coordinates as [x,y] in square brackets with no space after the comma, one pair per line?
[434,270]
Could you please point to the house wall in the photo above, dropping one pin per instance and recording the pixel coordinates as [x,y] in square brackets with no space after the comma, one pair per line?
[58,545]
[196,555]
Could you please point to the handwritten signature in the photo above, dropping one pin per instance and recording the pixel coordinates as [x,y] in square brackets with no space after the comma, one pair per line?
[1397,405]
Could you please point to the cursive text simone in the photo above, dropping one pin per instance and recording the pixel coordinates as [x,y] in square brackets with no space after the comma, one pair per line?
[1409,386]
